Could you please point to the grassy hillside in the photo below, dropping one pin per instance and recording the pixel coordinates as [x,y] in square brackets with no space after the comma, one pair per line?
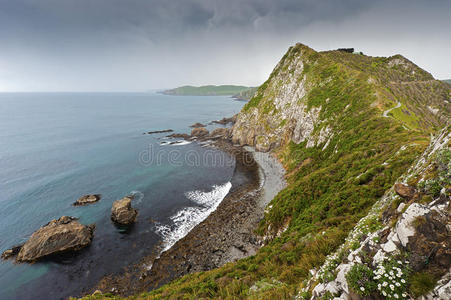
[322,114]
[207,90]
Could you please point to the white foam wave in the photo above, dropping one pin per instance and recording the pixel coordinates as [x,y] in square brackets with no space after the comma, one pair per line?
[181,143]
[187,218]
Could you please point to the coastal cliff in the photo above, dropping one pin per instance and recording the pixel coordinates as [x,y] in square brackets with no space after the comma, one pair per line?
[358,136]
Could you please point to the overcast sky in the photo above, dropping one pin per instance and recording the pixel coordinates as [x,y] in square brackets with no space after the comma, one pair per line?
[137,45]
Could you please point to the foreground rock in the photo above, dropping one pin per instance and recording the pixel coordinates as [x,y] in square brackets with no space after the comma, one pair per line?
[87,199]
[122,211]
[58,236]
[199,132]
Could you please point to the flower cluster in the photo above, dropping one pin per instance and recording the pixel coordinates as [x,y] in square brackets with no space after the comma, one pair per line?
[391,278]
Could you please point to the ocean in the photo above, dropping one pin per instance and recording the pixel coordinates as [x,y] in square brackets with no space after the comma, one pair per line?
[56,147]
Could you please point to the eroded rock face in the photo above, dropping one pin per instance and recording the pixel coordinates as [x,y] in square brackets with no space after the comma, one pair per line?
[62,235]
[122,211]
[199,132]
[87,199]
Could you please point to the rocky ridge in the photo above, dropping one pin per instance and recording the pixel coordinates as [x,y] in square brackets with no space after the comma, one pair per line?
[410,225]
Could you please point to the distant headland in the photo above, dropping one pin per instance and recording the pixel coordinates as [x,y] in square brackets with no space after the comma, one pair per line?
[236,91]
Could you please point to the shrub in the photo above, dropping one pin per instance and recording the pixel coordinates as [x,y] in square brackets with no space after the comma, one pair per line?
[360,280]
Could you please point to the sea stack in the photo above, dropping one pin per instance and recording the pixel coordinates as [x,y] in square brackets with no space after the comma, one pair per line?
[122,211]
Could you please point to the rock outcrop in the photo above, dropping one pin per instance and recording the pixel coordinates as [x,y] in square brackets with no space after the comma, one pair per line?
[413,238]
[122,211]
[197,125]
[199,132]
[87,199]
[58,236]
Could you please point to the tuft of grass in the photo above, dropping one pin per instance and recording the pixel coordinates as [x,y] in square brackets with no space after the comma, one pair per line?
[421,283]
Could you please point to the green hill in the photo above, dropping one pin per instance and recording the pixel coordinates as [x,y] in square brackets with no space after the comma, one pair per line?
[207,90]
[346,127]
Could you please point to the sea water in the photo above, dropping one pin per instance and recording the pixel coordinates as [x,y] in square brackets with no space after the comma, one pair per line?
[56,147]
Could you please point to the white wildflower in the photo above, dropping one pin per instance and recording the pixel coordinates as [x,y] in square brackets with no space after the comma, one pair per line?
[392,287]
[362,288]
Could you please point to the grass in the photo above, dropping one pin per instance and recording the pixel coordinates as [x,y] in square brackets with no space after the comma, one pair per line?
[421,283]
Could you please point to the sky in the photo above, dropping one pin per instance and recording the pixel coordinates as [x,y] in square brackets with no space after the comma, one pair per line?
[139,45]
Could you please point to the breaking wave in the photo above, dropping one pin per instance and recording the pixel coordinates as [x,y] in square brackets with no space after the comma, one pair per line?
[187,218]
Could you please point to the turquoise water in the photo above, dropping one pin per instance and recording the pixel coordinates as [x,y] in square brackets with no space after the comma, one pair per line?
[55,147]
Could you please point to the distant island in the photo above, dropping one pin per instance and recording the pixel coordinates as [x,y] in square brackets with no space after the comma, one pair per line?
[236,91]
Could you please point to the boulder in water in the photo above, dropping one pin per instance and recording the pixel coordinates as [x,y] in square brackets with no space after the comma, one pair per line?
[122,211]
[87,199]
[62,235]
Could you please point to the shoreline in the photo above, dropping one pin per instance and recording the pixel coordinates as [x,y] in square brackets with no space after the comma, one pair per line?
[226,235]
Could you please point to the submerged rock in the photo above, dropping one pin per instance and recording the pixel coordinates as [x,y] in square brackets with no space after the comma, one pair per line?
[87,199]
[122,211]
[62,235]
[199,132]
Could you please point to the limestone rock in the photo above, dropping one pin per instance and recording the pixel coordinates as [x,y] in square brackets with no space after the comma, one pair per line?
[62,235]
[122,211]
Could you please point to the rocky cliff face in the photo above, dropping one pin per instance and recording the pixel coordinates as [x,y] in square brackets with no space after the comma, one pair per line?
[308,92]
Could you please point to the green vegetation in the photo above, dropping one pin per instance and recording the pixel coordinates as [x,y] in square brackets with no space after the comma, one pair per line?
[360,280]
[329,189]
[209,90]
[422,283]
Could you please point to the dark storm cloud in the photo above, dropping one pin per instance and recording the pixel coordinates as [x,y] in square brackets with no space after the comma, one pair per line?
[139,44]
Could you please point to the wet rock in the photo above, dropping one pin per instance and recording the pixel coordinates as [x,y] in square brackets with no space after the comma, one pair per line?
[87,199]
[62,235]
[405,191]
[11,252]
[122,211]
[160,131]
[179,135]
[199,132]
[197,125]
